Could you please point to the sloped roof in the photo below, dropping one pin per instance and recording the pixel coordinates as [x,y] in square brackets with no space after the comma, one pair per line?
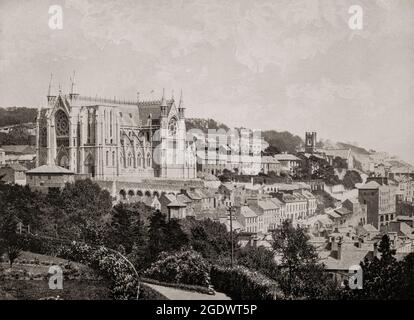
[173,202]
[350,256]
[50,169]
[269,159]
[153,108]
[183,198]
[370,185]
[285,157]
[267,205]
[277,202]
[246,212]
[342,211]
[18,149]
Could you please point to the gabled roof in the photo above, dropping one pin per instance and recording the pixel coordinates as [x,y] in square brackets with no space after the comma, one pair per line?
[52,169]
[153,108]
[370,185]
[183,198]
[172,201]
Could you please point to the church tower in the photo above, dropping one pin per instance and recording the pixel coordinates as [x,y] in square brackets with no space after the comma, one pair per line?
[310,142]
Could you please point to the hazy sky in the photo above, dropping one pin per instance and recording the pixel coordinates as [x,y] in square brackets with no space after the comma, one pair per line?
[283,65]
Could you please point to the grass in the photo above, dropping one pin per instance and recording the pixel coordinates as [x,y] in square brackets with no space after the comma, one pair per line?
[85,288]
[72,290]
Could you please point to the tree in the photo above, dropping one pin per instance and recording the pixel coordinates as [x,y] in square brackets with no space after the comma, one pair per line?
[157,234]
[301,273]
[351,178]
[260,259]
[210,238]
[11,242]
[226,176]
[271,151]
[383,278]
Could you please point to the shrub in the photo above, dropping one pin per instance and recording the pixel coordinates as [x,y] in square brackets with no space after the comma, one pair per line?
[124,283]
[185,267]
[241,283]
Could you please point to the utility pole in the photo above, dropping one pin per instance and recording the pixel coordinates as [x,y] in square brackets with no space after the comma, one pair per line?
[231,235]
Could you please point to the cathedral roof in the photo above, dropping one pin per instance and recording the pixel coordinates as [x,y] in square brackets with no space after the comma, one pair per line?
[152,108]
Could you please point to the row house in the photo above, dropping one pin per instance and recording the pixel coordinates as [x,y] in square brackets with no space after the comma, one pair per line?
[269,213]
[248,219]
[295,205]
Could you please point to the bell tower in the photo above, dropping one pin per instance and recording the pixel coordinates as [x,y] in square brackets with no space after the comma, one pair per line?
[310,142]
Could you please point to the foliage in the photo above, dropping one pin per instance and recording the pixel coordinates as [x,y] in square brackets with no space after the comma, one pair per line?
[271,150]
[301,273]
[14,115]
[204,124]
[123,280]
[210,238]
[164,236]
[385,278]
[126,227]
[351,178]
[283,141]
[186,267]
[241,283]
[10,241]
[259,259]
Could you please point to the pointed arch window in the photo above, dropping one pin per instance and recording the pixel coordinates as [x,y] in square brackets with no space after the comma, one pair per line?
[130,160]
[139,160]
[107,158]
[113,158]
[148,160]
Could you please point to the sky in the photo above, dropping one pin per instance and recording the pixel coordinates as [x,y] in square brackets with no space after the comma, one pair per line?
[290,65]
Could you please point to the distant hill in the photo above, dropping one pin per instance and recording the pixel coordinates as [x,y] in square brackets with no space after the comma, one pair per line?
[17,115]
[355,149]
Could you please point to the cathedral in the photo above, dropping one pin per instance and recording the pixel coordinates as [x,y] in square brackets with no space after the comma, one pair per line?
[110,139]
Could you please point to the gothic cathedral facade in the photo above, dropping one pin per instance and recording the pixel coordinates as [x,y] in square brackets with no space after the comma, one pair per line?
[115,140]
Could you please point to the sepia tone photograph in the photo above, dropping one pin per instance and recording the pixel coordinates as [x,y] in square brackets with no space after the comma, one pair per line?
[218,151]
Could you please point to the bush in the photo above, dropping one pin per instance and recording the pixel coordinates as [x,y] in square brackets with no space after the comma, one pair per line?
[185,267]
[124,283]
[241,283]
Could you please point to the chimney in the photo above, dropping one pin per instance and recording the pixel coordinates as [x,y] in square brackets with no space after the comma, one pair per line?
[339,250]
[375,249]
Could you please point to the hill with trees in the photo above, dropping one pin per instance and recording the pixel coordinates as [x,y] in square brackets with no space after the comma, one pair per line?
[17,115]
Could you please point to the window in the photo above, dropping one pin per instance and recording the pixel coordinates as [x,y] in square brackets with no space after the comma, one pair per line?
[139,160]
[107,158]
[149,160]
[113,158]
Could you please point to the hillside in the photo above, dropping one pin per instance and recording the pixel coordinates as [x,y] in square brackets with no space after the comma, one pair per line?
[355,149]
[17,115]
